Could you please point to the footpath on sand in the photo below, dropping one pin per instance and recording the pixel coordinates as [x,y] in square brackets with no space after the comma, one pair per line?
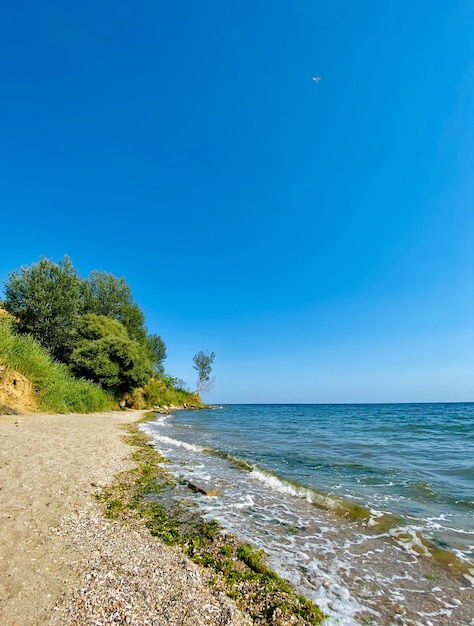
[61,560]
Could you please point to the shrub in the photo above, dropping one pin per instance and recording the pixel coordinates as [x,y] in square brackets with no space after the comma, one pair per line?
[106,355]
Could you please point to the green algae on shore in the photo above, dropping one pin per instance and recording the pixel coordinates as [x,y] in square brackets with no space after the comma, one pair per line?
[234,567]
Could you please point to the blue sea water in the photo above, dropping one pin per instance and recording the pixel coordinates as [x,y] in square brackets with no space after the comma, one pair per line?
[367,509]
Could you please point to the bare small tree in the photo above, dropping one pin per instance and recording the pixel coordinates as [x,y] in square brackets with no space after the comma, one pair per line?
[203,365]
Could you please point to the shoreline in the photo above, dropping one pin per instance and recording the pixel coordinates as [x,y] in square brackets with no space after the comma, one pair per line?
[65,561]
[379,574]
[79,544]
[58,550]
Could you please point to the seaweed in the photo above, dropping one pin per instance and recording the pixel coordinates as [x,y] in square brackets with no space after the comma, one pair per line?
[233,567]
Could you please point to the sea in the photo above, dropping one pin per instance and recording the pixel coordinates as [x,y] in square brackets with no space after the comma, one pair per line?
[367,509]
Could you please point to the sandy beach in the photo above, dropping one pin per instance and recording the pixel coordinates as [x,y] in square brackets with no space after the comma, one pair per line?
[61,560]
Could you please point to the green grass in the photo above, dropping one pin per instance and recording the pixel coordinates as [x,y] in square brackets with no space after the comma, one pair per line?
[55,388]
[236,568]
[158,393]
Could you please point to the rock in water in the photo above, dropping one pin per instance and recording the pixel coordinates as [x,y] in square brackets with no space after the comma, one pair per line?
[202,487]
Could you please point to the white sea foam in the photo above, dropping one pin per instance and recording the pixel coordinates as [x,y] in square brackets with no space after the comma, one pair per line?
[374,515]
[177,443]
[274,483]
[246,501]
[470,579]
[409,540]
[281,486]
[160,419]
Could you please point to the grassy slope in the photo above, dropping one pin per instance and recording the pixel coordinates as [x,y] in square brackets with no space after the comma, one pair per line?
[56,390]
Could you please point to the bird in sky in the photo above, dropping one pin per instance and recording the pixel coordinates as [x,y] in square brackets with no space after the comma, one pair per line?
[317,78]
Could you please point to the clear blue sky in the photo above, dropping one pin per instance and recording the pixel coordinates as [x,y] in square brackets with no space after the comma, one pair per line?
[319,237]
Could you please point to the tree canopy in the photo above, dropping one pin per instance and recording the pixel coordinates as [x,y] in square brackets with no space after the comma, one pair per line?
[45,300]
[157,350]
[106,294]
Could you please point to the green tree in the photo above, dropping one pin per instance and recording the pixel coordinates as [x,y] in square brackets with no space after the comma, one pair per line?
[157,350]
[203,365]
[45,300]
[107,355]
[106,294]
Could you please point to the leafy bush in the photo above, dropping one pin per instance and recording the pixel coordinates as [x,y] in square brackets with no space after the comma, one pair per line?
[106,355]
[92,326]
